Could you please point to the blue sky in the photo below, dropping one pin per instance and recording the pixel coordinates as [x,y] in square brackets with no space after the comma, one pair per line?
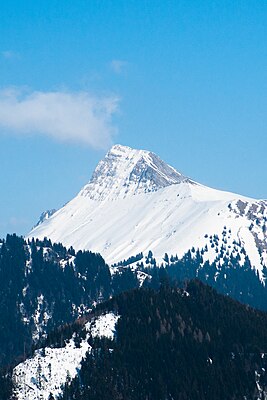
[185,79]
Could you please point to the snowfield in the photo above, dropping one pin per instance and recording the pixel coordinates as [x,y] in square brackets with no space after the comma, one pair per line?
[49,368]
[135,203]
[104,325]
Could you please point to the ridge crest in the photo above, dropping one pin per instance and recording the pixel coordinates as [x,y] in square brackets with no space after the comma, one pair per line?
[125,171]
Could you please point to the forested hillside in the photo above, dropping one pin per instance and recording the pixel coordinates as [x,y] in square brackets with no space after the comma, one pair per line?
[174,343]
[230,274]
[44,285]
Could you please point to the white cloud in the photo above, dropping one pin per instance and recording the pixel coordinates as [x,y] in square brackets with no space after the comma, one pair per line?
[76,117]
[13,223]
[17,221]
[9,54]
[118,66]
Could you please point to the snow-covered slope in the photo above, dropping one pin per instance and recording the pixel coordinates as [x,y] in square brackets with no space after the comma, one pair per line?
[135,203]
[49,368]
[45,215]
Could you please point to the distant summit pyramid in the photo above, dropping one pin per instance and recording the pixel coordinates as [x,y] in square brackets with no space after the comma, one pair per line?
[135,202]
[125,171]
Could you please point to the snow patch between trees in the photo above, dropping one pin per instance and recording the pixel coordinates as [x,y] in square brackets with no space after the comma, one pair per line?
[49,368]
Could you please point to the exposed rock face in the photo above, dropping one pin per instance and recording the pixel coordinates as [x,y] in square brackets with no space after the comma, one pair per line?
[125,172]
[45,215]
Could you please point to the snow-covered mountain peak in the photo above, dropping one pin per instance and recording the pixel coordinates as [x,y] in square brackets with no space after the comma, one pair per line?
[125,171]
[135,202]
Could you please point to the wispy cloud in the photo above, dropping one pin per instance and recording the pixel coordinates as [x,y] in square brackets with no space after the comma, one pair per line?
[118,66]
[17,221]
[9,54]
[67,116]
[13,223]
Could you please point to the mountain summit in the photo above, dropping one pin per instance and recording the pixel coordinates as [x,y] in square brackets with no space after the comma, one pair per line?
[135,202]
[125,172]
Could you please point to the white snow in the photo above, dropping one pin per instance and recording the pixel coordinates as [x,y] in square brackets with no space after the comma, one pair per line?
[104,325]
[119,214]
[40,375]
[48,369]
[40,318]
[125,172]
